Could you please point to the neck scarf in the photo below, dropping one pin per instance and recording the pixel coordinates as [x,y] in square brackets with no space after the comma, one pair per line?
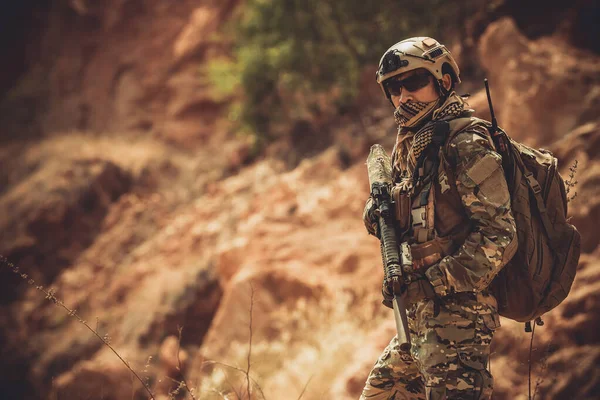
[410,144]
[413,113]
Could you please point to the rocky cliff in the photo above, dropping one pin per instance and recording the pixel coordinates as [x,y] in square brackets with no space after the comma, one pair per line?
[123,191]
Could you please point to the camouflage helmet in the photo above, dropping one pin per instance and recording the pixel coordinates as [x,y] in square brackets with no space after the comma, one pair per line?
[414,53]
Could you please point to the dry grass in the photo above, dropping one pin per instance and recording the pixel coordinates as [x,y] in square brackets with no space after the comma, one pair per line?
[105,339]
[306,356]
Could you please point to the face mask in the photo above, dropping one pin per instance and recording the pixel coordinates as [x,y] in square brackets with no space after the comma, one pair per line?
[412,113]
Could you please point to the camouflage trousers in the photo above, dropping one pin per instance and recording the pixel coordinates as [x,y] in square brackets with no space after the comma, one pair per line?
[448,358]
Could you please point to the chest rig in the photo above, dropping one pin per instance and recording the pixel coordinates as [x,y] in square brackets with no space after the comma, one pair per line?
[430,214]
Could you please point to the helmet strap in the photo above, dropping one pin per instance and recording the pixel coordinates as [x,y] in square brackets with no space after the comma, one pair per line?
[441,89]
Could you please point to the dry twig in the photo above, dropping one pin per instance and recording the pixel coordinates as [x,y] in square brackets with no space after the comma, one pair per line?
[571,182]
[51,295]
[180,368]
[304,388]
[249,341]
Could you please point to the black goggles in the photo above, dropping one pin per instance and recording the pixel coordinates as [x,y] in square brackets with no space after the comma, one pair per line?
[412,83]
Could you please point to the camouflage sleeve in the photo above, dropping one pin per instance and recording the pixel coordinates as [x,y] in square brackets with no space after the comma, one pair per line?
[484,194]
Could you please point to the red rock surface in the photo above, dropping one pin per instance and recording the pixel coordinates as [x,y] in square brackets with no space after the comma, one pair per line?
[141,236]
[543,88]
[121,66]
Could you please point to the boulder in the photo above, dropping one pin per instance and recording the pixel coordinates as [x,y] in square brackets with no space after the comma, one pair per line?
[542,89]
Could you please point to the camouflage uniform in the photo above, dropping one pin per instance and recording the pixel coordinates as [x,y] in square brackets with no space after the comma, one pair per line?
[451,331]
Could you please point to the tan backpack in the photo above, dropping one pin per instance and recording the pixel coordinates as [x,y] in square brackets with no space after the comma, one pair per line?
[540,275]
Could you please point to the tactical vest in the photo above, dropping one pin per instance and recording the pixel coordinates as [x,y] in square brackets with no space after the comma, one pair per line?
[433,219]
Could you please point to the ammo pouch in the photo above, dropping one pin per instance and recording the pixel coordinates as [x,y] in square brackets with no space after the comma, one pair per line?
[427,254]
[415,213]
[423,214]
[403,204]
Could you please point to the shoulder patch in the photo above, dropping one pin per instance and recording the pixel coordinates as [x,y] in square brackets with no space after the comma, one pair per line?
[483,168]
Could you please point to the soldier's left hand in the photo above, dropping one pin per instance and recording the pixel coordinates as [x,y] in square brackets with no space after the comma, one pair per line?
[417,290]
[387,290]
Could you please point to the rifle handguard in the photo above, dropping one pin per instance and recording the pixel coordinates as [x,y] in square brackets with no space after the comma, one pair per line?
[389,251]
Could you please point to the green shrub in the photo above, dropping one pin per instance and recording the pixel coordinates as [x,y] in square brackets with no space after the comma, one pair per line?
[292,56]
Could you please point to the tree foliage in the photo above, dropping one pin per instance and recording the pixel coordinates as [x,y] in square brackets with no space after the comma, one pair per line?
[299,58]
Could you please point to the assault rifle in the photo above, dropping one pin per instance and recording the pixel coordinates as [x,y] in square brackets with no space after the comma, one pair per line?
[380,181]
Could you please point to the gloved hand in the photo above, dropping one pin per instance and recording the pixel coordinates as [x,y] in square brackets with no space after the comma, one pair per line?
[388,295]
[387,290]
[370,217]
[417,290]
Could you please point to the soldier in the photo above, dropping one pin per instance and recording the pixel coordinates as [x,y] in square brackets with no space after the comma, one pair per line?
[453,207]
